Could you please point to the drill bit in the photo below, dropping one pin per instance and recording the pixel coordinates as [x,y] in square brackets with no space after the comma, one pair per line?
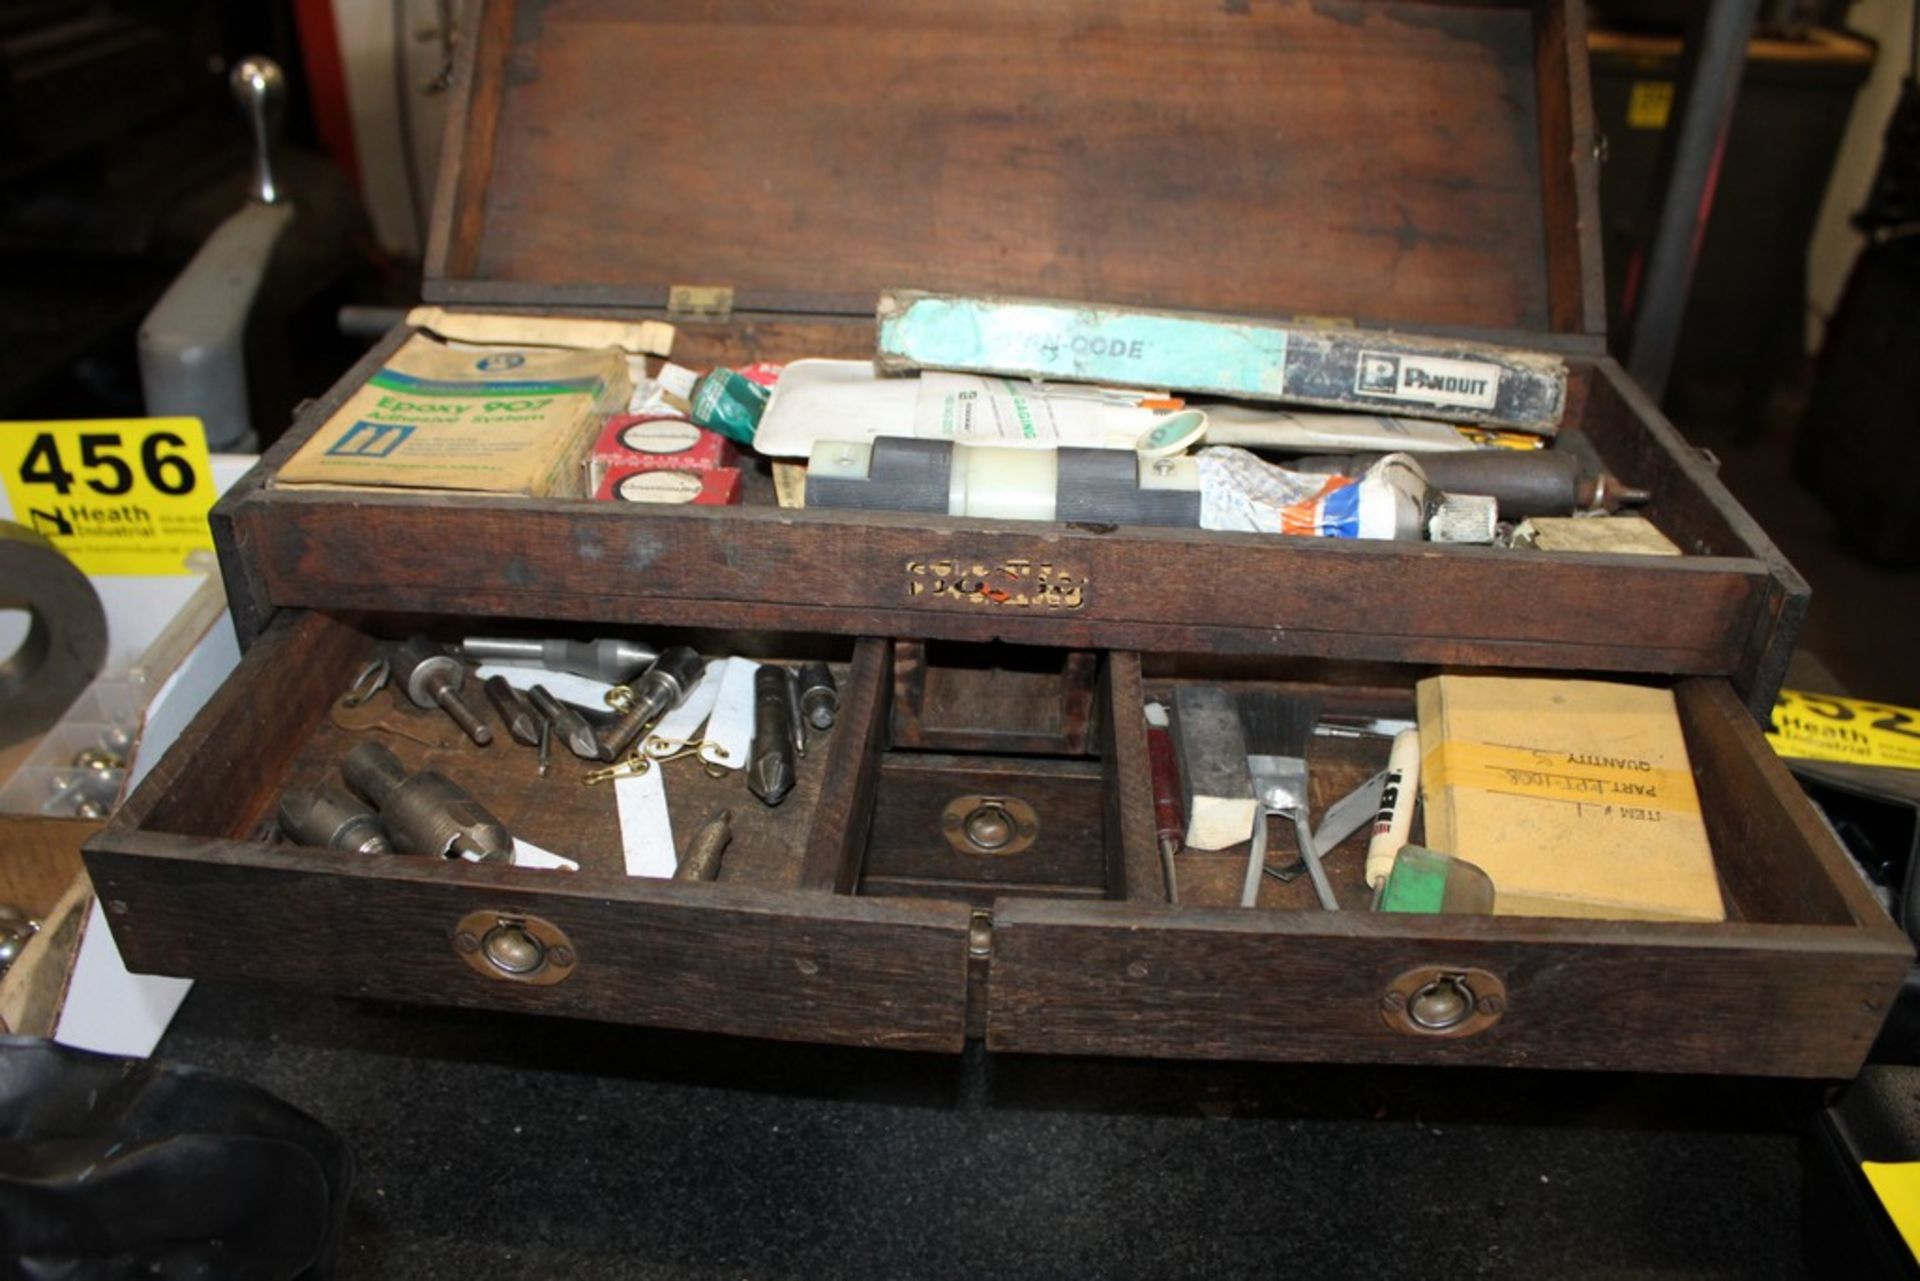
[654,695]
[332,821]
[794,720]
[515,713]
[432,678]
[546,745]
[819,696]
[566,721]
[614,661]
[426,813]
[702,862]
[770,767]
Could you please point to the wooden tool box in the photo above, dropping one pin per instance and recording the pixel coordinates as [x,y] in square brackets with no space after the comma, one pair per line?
[1427,166]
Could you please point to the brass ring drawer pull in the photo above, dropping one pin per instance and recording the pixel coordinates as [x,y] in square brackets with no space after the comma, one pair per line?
[514,947]
[1444,1000]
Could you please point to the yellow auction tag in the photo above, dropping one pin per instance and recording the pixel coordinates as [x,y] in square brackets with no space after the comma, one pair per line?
[1897,1184]
[1826,727]
[118,496]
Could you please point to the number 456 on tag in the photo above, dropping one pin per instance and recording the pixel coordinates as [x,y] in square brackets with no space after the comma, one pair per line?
[118,496]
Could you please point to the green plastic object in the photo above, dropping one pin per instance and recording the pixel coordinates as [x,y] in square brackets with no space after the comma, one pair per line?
[1427,881]
[728,403]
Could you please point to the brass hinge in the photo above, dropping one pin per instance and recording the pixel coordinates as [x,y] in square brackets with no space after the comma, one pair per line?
[706,304]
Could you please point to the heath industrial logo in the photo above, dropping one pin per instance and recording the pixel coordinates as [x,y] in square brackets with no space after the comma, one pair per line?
[1428,380]
[126,496]
[367,439]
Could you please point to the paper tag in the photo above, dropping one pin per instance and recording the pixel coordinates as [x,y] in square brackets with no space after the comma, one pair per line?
[646,829]
[581,691]
[1649,104]
[1826,727]
[684,721]
[117,496]
[730,728]
[527,854]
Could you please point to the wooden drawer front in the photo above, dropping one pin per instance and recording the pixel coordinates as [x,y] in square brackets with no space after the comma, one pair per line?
[190,889]
[1796,985]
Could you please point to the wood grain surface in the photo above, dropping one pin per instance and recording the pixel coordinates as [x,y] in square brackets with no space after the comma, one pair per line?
[791,965]
[198,899]
[1348,157]
[1109,978]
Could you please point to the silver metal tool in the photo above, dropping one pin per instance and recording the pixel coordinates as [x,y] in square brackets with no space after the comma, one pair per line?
[770,766]
[1343,818]
[425,812]
[567,722]
[819,695]
[432,678]
[546,746]
[702,862]
[612,660]
[516,713]
[1282,727]
[651,697]
[331,820]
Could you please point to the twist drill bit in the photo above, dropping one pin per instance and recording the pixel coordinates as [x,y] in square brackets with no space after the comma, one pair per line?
[614,661]
[654,695]
[330,820]
[567,722]
[426,813]
[819,696]
[770,767]
[702,862]
[432,678]
[515,712]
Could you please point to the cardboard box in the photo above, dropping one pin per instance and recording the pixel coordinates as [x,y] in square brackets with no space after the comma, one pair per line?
[1576,797]
[478,420]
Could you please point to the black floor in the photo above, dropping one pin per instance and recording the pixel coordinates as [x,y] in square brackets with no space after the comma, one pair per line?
[531,1147]
[540,1148]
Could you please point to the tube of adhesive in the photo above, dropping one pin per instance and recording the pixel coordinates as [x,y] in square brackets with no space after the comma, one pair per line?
[1392,500]
[1394,822]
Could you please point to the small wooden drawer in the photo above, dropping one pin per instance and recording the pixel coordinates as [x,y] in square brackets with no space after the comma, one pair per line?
[911,895]
[1795,983]
[769,949]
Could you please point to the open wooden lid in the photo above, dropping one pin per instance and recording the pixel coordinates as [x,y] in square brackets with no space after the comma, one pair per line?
[1423,164]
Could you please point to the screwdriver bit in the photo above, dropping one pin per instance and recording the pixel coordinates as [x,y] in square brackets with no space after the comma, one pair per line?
[515,712]
[654,695]
[819,696]
[770,766]
[567,722]
[426,813]
[432,678]
[332,821]
[702,862]
[614,661]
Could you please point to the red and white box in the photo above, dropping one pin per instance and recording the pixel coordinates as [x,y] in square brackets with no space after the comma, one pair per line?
[657,442]
[717,487]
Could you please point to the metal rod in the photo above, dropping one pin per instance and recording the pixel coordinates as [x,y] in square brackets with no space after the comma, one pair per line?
[1716,58]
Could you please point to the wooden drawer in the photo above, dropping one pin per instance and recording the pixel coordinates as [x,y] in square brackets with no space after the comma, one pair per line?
[1730,607]
[847,915]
